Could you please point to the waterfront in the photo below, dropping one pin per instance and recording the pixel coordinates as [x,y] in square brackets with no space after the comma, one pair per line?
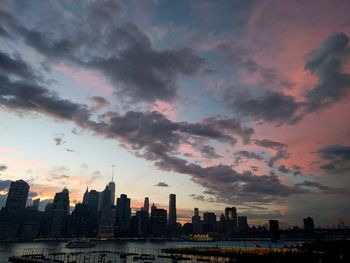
[16,248]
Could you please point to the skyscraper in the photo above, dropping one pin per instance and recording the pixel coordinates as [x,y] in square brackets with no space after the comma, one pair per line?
[93,199]
[11,216]
[172,210]
[146,205]
[111,187]
[17,196]
[86,195]
[231,220]
[196,222]
[60,214]
[36,203]
[158,222]
[123,213]
[106,198]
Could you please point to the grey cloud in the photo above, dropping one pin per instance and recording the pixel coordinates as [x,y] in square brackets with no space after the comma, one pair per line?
[162,184]
[325,189]
[280,148]
[14,66]
[121,51]
[338,157]
[270,106]
[249,155]
[3,167]
[99,101]
[327,62]
[59,139]
[157,139]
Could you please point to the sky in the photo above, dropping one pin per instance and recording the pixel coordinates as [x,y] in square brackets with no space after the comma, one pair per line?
[224,103]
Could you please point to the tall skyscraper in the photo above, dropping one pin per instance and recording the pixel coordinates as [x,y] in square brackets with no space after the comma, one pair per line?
[196,222]
[123,213]
[86,195]
[60,214]
[231,220]
[11,216]
[93,199]
[17,196]
[274,229]
[111,187]
[158,222]
[209,222]
[172,210]
[106,198]
[146,205]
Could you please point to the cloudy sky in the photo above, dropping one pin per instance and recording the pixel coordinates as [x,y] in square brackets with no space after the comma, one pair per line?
[225,103]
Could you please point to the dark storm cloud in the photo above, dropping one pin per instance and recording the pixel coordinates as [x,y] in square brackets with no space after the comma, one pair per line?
[121,51]
[162,184]
[338,157]
[327,62]
[280,148]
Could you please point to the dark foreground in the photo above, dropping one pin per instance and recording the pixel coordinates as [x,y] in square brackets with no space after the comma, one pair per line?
[318,252]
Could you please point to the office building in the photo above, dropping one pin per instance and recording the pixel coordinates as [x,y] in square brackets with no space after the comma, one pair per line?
[196,222]
[60,214]
[172,210]
[111,187]
[230,220]
[12,215]
[123,214]
[243,226]
[159,222]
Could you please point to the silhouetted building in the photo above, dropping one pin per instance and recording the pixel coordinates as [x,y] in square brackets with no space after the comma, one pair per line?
[106,225]
[309,224]
[159,221]
[86,195]
[111,187]
[172,210]
[196,222]
[146,206]
[274,229]
[36,203]
[31,225]
[243,226]
[141,218]
[83,221]
[105,198]
[46,221]
[93,199]
[230,220]
[11,216]
[123,214]
[60,214]
[209,222]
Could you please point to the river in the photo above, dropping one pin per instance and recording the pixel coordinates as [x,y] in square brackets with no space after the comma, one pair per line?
[16,248]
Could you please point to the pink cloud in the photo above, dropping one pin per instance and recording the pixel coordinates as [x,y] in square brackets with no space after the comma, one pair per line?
[89,79]
[169,110]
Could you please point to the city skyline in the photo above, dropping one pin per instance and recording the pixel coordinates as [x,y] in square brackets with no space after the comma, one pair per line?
[239,104]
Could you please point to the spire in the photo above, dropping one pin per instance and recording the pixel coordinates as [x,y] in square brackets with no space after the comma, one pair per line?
[113,172]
